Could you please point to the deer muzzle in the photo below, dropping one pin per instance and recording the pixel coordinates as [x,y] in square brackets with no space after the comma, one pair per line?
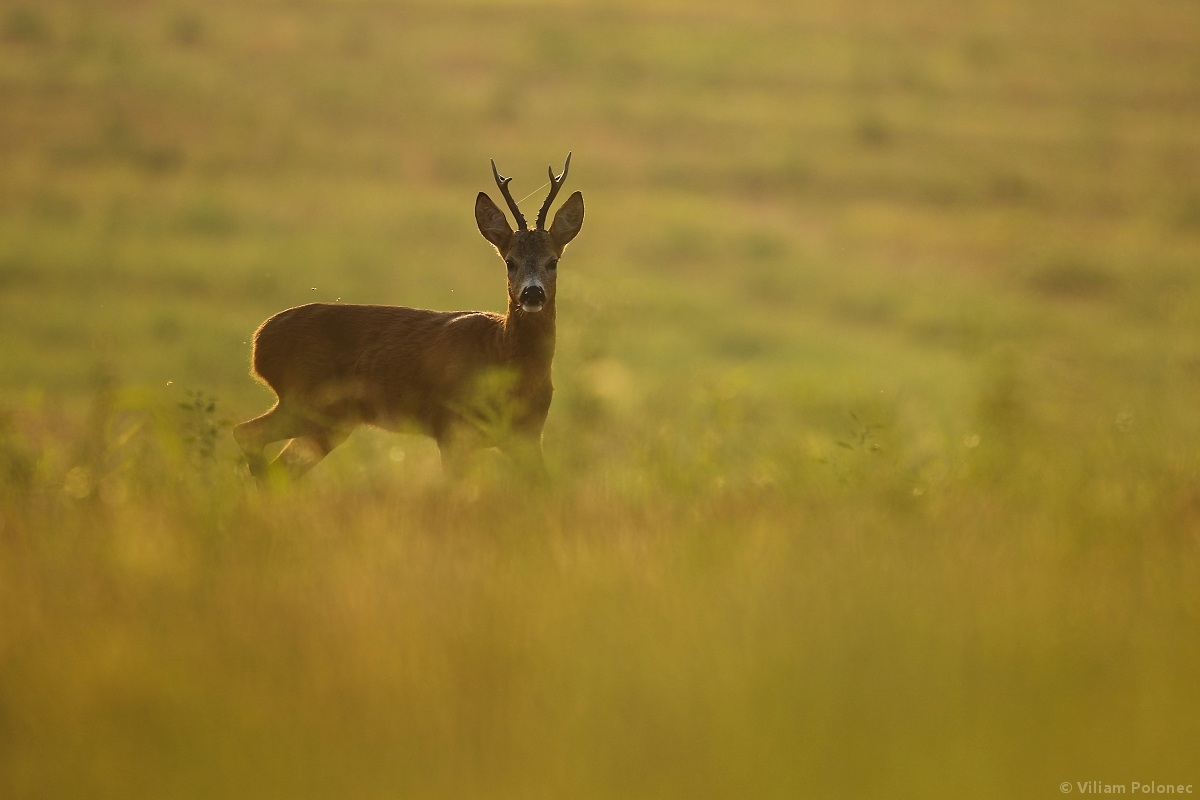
[532,298]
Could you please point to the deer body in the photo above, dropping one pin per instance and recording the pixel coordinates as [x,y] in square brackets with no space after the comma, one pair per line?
[466,378]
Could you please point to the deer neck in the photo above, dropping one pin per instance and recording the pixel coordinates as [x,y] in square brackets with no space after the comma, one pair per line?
[530,337]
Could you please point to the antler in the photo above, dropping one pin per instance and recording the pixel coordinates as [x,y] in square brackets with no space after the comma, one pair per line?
[555,185]
[503,182]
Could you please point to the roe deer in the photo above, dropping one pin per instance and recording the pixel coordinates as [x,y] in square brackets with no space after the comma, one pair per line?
[466,378]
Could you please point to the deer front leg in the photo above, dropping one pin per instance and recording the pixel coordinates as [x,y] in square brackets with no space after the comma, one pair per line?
[456,442]
[524,449]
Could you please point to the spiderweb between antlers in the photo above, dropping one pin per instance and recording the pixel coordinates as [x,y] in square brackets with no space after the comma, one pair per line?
[535,191]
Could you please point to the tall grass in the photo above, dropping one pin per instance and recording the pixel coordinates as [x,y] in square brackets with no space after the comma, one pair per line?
[830,628]
[876,466]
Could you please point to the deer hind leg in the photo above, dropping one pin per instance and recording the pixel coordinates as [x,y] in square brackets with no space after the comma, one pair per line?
[303,453]
[255,434]
[279,423]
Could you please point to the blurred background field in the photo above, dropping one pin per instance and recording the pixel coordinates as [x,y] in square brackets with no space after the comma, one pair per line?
[875,442]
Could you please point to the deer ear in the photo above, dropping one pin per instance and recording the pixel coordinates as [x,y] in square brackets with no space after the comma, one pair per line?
[492,222]
[568,220]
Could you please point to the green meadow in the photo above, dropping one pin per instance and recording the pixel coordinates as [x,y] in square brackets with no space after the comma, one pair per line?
[875,447]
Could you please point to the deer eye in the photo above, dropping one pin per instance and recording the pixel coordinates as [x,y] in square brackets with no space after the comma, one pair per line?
[553,265]
[512,265]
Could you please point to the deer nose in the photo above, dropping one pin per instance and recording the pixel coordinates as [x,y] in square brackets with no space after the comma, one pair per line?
[532,298]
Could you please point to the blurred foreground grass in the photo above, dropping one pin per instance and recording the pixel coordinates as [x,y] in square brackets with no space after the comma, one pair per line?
[170,632]
[877,461]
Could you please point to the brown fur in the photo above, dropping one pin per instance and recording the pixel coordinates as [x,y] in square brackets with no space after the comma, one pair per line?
[466,378]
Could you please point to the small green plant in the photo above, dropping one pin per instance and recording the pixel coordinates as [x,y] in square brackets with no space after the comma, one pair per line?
[17,464]
[200,425]
[864,437]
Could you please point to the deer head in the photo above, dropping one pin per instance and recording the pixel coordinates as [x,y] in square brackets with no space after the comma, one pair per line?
[530,255]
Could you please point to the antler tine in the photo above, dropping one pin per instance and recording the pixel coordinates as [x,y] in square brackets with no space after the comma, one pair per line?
[555,185]
[503,182]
